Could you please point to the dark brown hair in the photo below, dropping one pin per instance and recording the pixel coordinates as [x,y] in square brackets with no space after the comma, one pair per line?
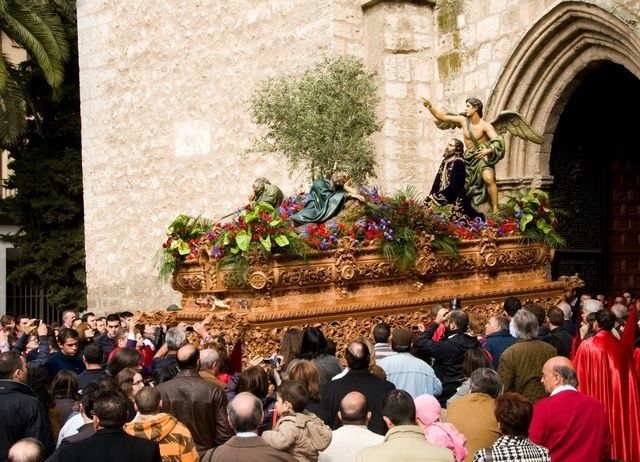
[513,413]
[253,380]
[290,346]
[295,392]
[65,385]
[124,381]
[123,358]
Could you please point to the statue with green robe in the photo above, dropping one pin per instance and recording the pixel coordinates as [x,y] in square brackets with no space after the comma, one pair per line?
[326,199]
[485,146]
[266,193]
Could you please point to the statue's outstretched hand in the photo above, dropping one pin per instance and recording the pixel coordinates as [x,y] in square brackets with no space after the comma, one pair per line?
[426,103]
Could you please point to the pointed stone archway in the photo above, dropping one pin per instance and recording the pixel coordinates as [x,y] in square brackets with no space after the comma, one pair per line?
[543,71]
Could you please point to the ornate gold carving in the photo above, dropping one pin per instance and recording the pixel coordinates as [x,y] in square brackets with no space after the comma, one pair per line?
[305,275]
[488,249]
[426,262]
[345,263]
[189,281]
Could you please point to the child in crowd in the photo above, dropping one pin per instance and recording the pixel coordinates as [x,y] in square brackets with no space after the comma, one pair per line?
[298,432]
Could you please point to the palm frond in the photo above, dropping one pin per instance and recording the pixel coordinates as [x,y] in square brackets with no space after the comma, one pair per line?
[42,35]
[447,244]
[66,8]
[12,112]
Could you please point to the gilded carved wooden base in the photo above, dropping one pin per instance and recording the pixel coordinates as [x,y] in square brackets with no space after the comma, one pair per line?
[348,290]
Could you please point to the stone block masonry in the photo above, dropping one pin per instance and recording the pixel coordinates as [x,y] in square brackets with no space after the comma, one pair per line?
[165,91]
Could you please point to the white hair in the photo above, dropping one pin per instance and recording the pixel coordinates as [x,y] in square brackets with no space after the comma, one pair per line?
[592,306]
[566,309]
[619,310]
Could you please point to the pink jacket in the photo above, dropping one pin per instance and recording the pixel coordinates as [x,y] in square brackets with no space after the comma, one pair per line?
[441,434]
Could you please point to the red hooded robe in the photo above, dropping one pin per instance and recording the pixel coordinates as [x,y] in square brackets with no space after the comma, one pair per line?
[606,371]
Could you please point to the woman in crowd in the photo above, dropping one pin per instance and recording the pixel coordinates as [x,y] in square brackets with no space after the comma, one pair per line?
[441,434]
[314,349]
[124,358]
[255,381]
[64,389]
[290,347]
[129,382]
[306,372]
[474,358]
[513,413]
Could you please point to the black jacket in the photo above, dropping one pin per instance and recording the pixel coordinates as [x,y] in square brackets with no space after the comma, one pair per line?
[372,387]
[447,355]
[22,416]
[561,339]
[109,445]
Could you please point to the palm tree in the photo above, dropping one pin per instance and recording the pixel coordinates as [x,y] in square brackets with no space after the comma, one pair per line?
[37,26]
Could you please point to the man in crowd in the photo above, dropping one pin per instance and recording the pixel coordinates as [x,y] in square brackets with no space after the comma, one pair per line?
[176,443]
[354,435]
[108,341]
[68,316]
[198,404]
[561,421]
[448,353]
[165,364]
[407,372]
[21,414]
[90,319]
[381,334]
[209,358]
[67,357]
[568,324]
[558,337]
[110,443]
[245,416]
[27,450]
[404,440]
[92,357]
[85,429]
[473,414]
[521,364]
[606,372]
[357,379]
[511,307]
[498,338]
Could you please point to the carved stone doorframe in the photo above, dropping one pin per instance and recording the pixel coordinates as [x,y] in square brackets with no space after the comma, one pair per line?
[544,69]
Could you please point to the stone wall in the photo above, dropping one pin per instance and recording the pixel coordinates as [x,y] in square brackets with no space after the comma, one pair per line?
[165,91]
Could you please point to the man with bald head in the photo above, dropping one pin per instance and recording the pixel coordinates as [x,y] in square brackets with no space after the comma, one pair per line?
[561,422]
[26,450]
[245,416]
[357,379]
[354,435]
[209,358]
[198,404]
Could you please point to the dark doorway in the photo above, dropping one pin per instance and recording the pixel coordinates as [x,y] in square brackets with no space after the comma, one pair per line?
[595,161]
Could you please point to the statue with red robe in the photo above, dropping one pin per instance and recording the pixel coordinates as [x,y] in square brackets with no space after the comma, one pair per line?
[606,372]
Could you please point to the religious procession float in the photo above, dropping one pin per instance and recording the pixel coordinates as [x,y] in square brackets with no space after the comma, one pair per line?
[344,257]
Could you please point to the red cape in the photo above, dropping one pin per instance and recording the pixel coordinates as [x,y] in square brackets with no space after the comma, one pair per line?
[606,371]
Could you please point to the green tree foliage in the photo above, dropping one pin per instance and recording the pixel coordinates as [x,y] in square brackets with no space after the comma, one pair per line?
[38,27]
[322,119]
[47,175]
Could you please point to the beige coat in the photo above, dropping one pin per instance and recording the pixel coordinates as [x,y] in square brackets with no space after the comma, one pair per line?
[473,416]
[405,443]
[301,434]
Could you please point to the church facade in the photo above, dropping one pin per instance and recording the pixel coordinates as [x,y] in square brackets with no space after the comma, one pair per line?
[165,91]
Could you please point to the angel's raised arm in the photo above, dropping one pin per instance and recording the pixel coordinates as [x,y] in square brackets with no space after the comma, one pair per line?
[441,116]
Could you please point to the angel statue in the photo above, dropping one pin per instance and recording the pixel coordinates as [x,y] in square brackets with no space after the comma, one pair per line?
[485,145]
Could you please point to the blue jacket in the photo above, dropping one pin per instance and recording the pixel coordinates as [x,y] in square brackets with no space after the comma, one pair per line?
[60,361]
[411,374]
[496,343]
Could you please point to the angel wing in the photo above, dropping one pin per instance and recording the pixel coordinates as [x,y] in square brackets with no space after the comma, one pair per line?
[515,124]
[442,125]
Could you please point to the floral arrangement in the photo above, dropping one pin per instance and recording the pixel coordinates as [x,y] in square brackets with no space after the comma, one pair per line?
[258,225]
[393,223]
[536,220]
[184,237]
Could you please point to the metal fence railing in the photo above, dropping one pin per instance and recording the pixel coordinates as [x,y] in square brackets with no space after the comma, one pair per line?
[30,301]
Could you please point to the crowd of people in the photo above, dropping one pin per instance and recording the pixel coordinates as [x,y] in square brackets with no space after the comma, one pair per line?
[523,385]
